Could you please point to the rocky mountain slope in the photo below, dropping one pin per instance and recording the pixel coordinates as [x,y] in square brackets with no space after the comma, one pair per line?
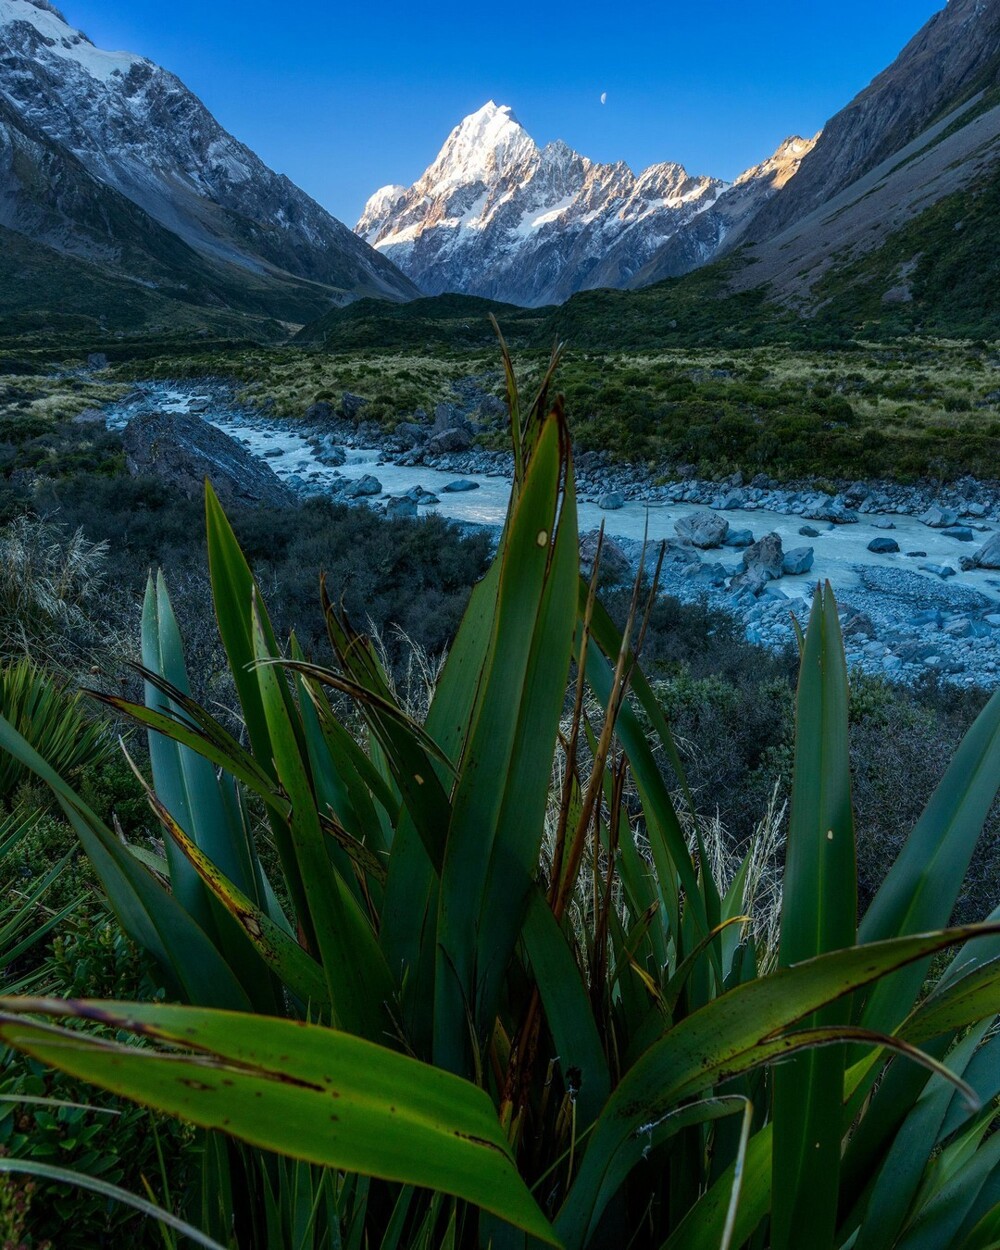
[952,58]
[107,158]
[497,216]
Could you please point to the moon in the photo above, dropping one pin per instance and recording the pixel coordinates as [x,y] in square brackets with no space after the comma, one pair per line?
[604,97]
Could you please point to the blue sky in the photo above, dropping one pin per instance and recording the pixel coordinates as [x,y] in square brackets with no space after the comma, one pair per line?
[347,97]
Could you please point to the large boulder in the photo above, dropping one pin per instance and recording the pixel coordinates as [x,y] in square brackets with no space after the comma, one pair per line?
[351,405]
[766,555]
[456,439]
[401,508]
[612,501]
[363,487]
[939,518]
[798,560]
[988,555]
[182,451]
[883,546]
[615,565]
[460,486]
[702,529]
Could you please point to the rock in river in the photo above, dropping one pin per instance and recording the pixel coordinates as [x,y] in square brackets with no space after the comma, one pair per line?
[988,555]
[703,529]
[798,560]
[182,451]
[883,546]
[459,486]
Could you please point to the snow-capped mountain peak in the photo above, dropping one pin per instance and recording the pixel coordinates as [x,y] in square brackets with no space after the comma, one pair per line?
[496,215]
[484,142]
[46,24]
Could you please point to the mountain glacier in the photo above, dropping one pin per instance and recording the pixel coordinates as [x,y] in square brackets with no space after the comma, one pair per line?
[495,215]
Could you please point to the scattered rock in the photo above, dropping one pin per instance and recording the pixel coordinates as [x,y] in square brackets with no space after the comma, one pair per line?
[939,570]
[401,507]
[702,529]
[765,555]
[798,560]
[832,510]
[882,523]
[916,555]
[883,546]
[319,412]
[363,487]
[612,501]
[327,451]
[807,531]
[961,533]
[459,486]
[939,518]
[409,434]
[988,555]
[738,538]
[615,566]
[456,439]
[351,405]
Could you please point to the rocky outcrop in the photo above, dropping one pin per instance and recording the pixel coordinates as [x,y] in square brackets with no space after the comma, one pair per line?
[182,451]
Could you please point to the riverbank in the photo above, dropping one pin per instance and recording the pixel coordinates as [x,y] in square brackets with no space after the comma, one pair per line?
[905,613]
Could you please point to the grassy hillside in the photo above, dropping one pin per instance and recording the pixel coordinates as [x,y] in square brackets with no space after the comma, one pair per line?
[941,271]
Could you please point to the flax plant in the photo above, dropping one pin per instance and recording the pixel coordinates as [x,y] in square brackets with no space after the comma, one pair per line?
[497,997]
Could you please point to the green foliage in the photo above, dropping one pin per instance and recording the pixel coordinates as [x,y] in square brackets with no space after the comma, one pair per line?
[53,720]
[495,963]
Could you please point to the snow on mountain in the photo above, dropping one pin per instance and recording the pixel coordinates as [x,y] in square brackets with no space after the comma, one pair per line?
[497,216]
[723,225]
[138,130]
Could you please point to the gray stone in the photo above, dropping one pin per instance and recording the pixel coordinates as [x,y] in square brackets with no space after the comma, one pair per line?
[351,405]
[182,451]
[739,538]
[702,529]
[797,561]
[612,501]
[960,533]
[832,510]
[939,518]
[327,451]
[916,555]
[765,555]
[409,433]
[988,555]
[456,439]
[401,508]
[939,570]
[615,566]
[459,486]
[320,411]
[363,487]
[883,546]
[882,523]
[807,531]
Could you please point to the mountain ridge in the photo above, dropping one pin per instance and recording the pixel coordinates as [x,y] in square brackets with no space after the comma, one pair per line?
[206,211]
[497,216]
